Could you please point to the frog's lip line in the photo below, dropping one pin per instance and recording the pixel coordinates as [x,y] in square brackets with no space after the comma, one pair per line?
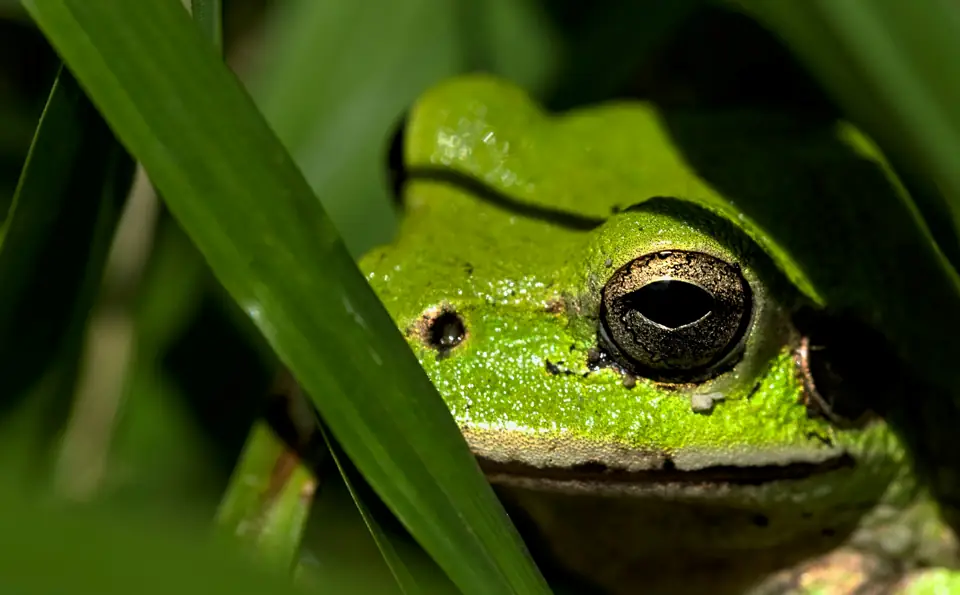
[518,455]
[597,473]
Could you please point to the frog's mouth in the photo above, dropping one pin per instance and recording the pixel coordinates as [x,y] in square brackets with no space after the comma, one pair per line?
[596,472]
[569,464]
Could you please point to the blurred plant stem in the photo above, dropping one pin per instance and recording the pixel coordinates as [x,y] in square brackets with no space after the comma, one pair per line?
[270,494]
[109,350]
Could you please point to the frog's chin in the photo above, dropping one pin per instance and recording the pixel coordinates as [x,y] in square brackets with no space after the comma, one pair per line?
[573,465]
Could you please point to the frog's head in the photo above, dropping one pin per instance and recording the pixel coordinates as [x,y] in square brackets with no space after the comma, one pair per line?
[598,317]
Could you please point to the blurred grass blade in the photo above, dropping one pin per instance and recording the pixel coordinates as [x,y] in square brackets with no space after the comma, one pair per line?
[236,192]
[55,242]
[631,31]
[58,231]
[893,66]
[332,95]
[159,453]
[515,39]
[49,550]
[269,498]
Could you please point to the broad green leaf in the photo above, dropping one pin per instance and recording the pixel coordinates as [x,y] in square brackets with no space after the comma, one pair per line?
[55,241]
[892,65]
[271,491]
[208,15]
[229,182]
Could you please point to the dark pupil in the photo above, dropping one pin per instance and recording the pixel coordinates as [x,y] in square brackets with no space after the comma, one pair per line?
[446,331]
[671,303]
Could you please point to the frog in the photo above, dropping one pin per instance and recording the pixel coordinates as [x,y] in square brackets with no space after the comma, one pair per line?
[666,397]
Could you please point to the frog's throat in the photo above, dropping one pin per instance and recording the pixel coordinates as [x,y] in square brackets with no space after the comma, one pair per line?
[513,457]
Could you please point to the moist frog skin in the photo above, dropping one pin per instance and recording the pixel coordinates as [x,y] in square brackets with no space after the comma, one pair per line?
[655,388]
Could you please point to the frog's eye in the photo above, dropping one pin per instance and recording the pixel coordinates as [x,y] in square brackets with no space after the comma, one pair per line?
[675,315]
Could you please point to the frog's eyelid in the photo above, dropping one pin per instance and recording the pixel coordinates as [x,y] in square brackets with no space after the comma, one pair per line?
[672,205]
[705,218]
[643,204]
[495,197]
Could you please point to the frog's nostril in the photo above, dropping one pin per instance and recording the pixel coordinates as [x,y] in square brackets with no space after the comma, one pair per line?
[446,331]
[671,303]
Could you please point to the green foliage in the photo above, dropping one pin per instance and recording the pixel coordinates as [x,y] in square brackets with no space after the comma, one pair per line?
[271,245]
[329,81]
[892,65]
[54,246]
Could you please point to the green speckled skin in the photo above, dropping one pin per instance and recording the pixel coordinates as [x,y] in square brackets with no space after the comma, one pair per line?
[576,197]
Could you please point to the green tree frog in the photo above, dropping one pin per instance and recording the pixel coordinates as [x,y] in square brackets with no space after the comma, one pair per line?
[666,398]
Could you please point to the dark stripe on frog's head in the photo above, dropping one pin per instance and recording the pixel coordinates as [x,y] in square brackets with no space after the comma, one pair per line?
[496,198]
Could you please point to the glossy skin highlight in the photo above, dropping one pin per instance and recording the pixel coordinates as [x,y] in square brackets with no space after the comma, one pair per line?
[515,220]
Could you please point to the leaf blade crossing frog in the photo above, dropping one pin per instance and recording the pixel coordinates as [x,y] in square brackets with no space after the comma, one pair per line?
[626,355]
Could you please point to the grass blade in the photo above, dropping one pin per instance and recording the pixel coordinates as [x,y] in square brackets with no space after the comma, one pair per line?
[209,15]
[236,192]
[892,65]
[405,580]
[271,491]
[67,204]
[55,243]
[269,498]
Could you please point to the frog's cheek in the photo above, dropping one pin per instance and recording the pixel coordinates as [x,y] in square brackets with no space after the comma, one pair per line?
[520,386]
